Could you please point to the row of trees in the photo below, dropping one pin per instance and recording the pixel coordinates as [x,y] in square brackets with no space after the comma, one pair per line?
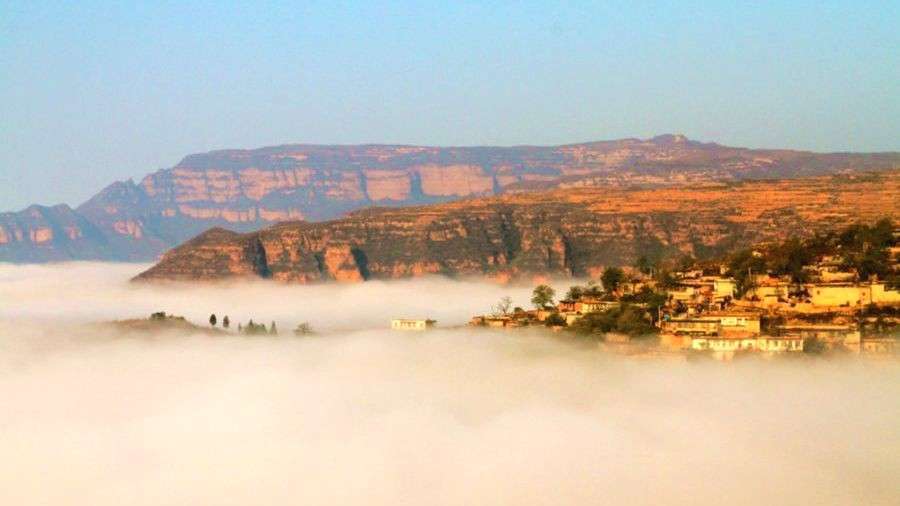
[257,329]
[254,329]
[251,328]
[633,316]
[543,295]
[226,322]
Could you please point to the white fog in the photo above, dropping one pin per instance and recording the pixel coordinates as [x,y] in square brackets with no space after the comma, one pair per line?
[361,415]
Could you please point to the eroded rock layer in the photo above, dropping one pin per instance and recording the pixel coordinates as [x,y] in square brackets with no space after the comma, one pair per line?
[246,190]
[573,232]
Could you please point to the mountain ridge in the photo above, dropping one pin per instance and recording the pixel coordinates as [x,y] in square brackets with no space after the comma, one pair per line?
[564,232]
[248,189]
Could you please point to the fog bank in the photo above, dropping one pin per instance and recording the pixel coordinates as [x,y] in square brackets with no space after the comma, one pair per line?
[90,291]
[362,415]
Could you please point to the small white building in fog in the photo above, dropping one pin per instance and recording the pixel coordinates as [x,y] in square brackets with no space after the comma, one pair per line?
[411,324]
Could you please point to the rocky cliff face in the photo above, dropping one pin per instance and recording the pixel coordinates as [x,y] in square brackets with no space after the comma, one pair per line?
[47,234]
[245,190]
[563,232]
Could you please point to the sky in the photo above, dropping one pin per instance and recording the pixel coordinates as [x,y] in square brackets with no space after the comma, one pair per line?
[92,92]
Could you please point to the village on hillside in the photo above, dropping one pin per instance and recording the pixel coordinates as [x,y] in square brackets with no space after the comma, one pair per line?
[833,293]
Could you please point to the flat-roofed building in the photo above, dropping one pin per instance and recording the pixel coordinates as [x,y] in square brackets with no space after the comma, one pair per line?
[880,345]
[718,323]
[411,324]
[780,344]
[831,334]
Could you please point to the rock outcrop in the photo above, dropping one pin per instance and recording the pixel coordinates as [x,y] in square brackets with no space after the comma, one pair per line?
[573,232]
[246,190]
[48,234]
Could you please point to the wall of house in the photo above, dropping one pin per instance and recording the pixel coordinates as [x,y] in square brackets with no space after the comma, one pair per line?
[724,288]
[739,324]
[881,295]
[408,324]
[779,345]
[839,295]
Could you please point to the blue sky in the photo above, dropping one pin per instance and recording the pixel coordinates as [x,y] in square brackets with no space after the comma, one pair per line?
[97,91]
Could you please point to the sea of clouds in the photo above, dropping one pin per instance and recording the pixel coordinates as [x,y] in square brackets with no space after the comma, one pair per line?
[362,415]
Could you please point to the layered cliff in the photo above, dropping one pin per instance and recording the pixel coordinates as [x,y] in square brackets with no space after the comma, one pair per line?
[245,190]
[561,232]
[47,234]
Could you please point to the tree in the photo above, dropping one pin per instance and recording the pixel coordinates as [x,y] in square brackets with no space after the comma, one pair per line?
[555,320]
[592,289]
[574,293]
[612,277]
[686,262]
[240,328]
[649,298]
[643,265]
[303,329]
[273,330]
[625,319]
[212,320]
[814,346]
[742,266]
[542,296]
[255,329]
[789,258]
[502,307]
[226,322]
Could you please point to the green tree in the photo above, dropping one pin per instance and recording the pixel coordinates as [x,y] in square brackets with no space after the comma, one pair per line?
[212,320]
[574,293]
[273,330]
[742,266]
[625,319]
[665,279]
[612,277]
[592,289]
[555,320]
[789,258]
[226,322]
[686,262]
[644,265]
[652,300]
[542,296]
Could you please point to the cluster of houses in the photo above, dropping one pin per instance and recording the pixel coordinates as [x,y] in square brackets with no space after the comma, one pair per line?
[704,313]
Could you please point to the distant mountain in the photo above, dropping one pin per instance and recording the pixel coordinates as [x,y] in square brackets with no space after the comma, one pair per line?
[571,232]
[246,190]
[47,234]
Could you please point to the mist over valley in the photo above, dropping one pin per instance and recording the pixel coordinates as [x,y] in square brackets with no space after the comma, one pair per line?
[358,414]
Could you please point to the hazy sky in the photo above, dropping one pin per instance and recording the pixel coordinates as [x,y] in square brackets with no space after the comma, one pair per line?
[97,91]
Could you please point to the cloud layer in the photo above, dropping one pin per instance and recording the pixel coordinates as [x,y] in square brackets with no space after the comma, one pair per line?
[361,415]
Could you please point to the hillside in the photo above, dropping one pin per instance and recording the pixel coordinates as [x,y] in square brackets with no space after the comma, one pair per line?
[245,190]
[561,232]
